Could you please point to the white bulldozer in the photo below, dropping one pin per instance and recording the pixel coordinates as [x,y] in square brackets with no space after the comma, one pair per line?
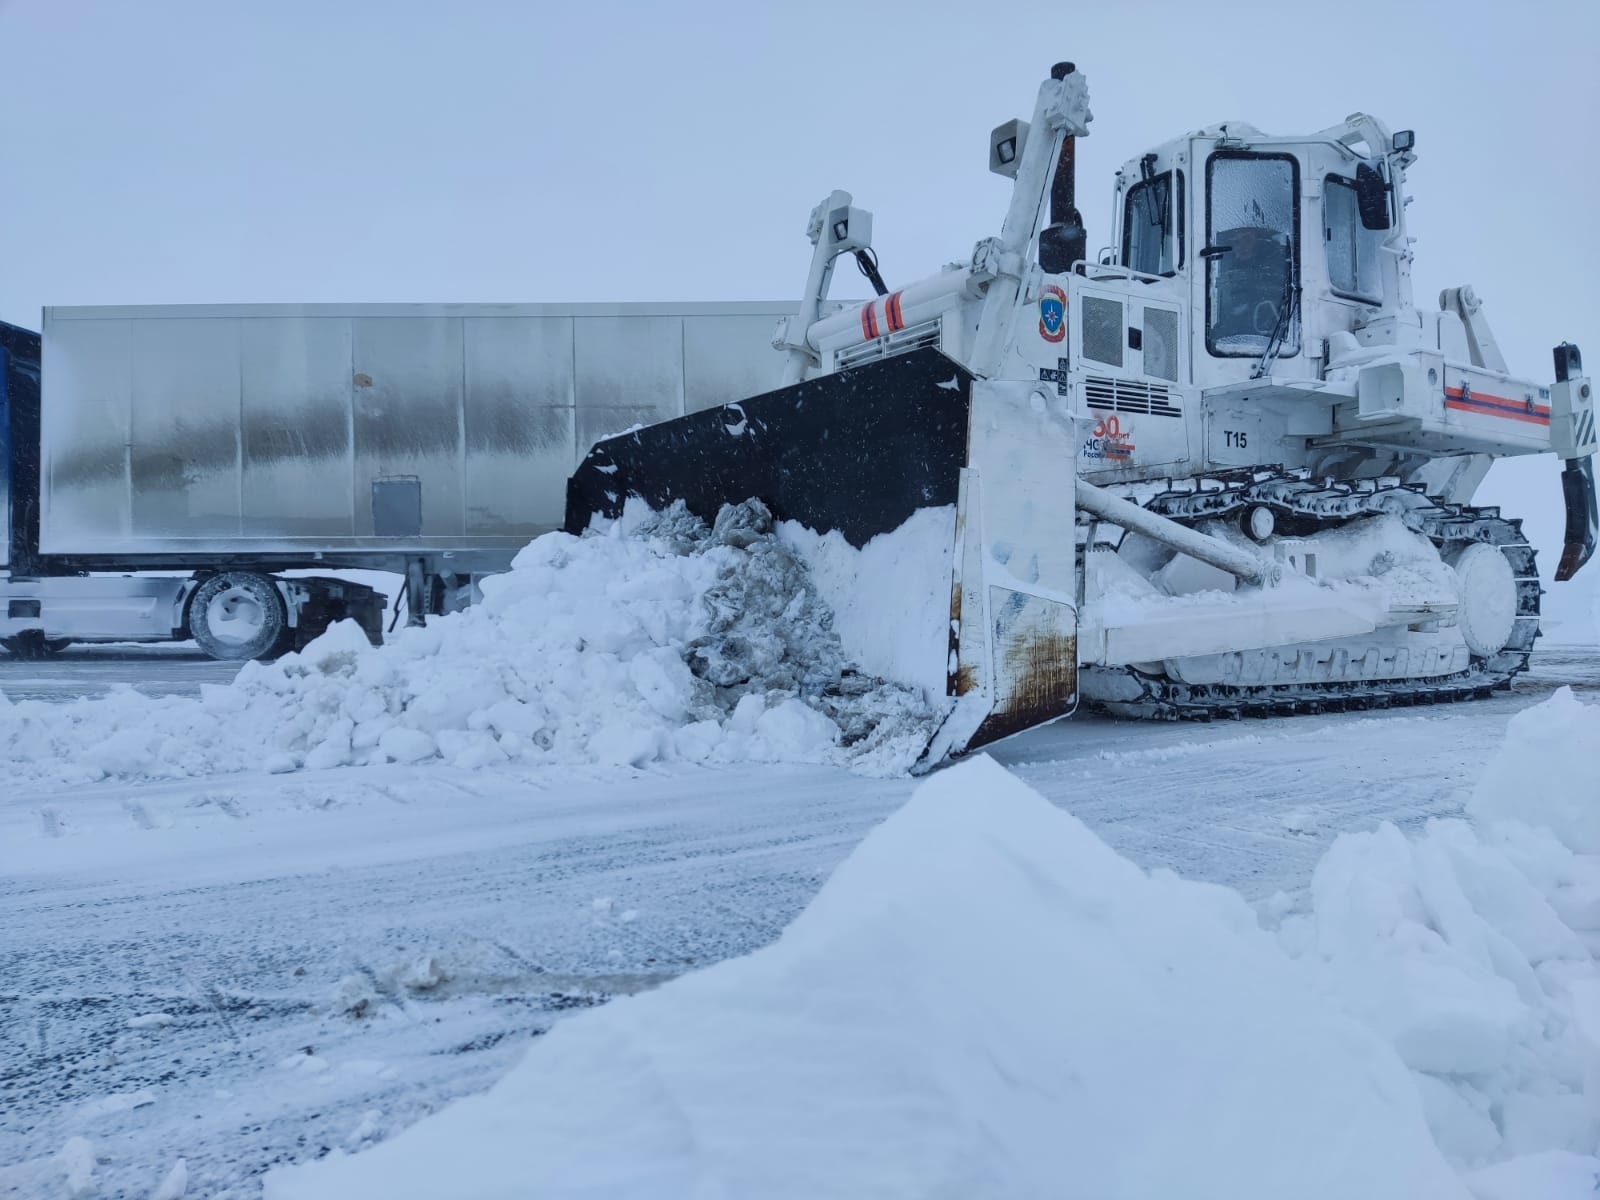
[1224,467]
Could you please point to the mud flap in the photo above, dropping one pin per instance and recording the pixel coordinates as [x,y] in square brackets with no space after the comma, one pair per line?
[1583,520]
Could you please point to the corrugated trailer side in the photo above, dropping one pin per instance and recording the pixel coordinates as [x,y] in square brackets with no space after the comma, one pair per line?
[357,435]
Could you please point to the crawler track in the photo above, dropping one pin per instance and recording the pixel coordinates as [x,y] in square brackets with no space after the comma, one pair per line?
[1305,505]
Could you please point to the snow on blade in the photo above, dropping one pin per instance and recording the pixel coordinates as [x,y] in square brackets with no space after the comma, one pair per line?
[659,641]
[984,1000]
[891,598]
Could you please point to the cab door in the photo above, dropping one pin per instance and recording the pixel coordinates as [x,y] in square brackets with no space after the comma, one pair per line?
[1251,256]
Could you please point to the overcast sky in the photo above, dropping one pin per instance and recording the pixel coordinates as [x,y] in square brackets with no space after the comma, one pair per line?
[168,151]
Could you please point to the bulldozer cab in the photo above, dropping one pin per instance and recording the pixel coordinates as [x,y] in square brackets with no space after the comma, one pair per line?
[1274,243]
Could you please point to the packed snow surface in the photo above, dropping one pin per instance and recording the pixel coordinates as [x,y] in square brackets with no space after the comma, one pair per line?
[659,640]
[984,1000]
[987,1000]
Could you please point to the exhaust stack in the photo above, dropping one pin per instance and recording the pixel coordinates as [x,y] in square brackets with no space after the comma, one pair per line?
[1064,241]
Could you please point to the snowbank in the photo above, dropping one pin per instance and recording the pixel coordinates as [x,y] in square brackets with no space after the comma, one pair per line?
[1548,772]
[658,641]
[984,1000]
[1471,949]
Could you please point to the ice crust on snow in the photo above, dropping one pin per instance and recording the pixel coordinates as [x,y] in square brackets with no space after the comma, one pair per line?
[658,640]
[984,1000]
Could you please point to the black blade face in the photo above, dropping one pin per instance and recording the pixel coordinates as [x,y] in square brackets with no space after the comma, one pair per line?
[859,452]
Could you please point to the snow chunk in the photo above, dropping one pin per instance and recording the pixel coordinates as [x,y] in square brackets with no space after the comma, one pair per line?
[76,1161]
[368,1129]
[175,1184]
[1553,1176]
[1545,773]
[354,996]
[424,974]
[304,1063]
[983,1000]
[1461,948]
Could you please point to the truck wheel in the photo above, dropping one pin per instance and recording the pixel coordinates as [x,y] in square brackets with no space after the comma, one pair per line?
[237,615]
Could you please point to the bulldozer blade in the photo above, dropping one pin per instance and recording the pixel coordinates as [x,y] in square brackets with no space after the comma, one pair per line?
[861,452]
[858,451]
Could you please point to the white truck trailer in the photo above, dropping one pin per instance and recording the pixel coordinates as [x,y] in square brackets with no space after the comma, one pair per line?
[173,472]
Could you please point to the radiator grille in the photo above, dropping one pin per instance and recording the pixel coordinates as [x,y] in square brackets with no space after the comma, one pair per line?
[1130,396]
[903,341]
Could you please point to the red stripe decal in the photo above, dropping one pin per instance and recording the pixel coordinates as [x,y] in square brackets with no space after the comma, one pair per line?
[1495,406]
[868,324]
[891,309]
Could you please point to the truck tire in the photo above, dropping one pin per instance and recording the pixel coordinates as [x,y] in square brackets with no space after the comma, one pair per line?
[237,615]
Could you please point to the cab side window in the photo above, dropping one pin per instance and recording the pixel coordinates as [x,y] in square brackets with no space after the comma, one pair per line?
[1152,225]
[1353,249]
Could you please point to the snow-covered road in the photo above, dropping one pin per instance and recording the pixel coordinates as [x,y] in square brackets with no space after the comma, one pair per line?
[461,912]
[90,670]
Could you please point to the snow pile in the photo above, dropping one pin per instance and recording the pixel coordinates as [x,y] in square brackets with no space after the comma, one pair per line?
[658,640]
[984,1000]
[1547,773]
[1471,949]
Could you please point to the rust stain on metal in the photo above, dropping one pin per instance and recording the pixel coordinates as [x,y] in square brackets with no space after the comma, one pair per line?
[1044,669]
[963,681]
[1043,674]
[363,380]
[962,678]
[1040,669]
